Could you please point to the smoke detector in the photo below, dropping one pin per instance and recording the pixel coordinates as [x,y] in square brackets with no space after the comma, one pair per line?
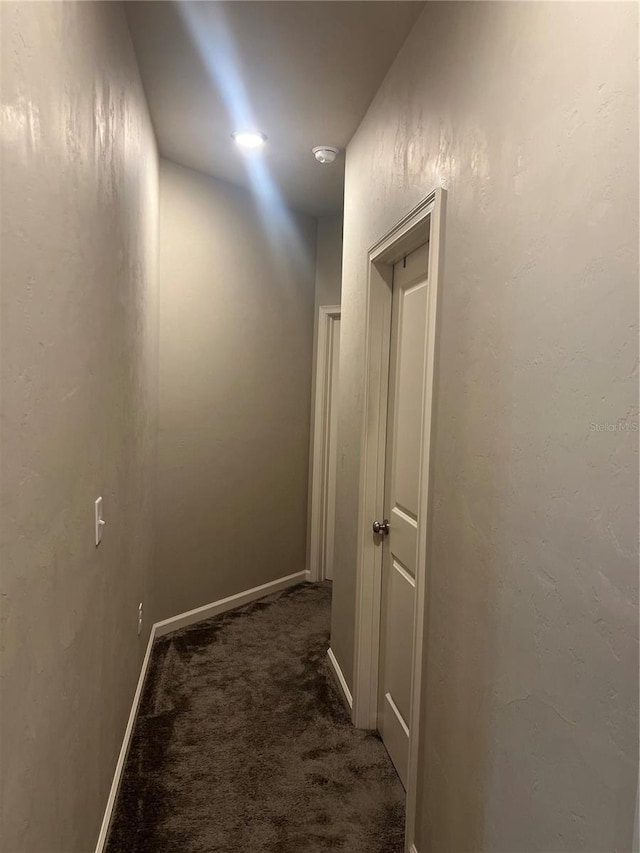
[325,153]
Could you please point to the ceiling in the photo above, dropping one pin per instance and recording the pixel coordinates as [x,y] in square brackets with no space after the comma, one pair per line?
[303,72]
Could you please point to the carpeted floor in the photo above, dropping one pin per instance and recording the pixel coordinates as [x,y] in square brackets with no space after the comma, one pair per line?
[242,743]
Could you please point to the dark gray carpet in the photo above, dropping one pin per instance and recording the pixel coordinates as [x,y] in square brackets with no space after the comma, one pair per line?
[243,743]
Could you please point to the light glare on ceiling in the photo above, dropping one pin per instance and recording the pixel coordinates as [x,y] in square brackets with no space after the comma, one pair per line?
[249,138]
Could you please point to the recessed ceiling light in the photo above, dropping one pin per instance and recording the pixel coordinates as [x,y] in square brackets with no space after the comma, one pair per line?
[325,153]
[249,138]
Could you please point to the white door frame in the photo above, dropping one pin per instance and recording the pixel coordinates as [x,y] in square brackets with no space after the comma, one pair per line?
[424,222]
[326,315]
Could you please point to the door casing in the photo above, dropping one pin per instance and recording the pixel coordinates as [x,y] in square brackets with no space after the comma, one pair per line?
[327,314]
[424,223]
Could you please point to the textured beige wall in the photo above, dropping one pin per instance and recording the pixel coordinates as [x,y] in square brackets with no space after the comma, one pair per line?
[328,261]
[528,114]
[236,331]
[328,275]
[79,365]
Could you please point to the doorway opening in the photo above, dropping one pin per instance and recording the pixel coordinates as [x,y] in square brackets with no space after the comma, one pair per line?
[325,432]
[394,503]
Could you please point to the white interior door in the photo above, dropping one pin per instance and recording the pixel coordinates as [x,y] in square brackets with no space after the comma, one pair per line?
[332,456]
[402,487]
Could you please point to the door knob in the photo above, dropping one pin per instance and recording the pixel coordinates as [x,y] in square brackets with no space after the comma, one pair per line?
[381,527]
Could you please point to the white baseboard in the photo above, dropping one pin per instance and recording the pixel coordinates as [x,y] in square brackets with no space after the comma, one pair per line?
[124,749]
[340,677]
[636,826]
[237,600]
[166,626]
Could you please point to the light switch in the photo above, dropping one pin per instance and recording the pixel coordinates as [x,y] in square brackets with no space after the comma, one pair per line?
[99,521]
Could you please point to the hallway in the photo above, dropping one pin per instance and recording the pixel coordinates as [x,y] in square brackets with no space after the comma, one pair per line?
[306,292]
[243,742]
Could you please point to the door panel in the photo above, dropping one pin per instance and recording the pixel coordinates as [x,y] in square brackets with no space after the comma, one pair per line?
[409,381]
[402,484]
[401,601]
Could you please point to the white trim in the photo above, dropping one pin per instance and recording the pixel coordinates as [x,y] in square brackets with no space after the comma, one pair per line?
[372,465]
[326,314]
[424,222]
[636,833]
[413,849]
[397,713]
[124,749]
[337,671]
[436,274]
[240,598]
[159,629]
